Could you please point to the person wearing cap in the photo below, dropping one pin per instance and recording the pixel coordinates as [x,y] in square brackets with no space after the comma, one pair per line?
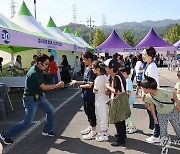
[88,96]
[114,88]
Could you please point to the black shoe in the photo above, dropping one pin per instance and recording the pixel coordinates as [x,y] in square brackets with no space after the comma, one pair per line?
[51,134]
[115,144]
[115,135]
[7,141]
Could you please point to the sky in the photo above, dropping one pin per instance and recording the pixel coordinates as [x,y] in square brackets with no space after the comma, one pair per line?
[109,12]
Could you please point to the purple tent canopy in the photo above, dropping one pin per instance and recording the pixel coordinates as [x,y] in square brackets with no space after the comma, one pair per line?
[152,39]
[113,42]
[177,44]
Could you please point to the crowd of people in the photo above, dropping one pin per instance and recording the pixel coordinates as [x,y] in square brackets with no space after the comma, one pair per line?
[104,79]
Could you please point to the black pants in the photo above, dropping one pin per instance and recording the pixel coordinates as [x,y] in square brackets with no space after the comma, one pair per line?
[121,131]
[133,75]
[89,108]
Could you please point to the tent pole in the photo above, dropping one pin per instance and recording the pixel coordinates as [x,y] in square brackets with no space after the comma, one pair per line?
[12,57]
[175,55]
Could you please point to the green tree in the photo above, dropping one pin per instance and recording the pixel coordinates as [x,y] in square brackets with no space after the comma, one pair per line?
[128,37]
[99,38]
[173,35]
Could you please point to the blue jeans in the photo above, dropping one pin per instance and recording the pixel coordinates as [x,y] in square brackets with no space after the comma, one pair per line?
[31,107]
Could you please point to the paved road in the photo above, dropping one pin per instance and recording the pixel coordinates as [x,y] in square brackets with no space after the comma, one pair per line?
[70,119]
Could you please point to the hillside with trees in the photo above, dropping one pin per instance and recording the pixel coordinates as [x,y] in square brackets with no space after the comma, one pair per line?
[133,30]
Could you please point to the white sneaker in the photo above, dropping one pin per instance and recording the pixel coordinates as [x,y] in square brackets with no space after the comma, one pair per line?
[131,130]
[153,139]
[100,137]
[86,131]
[91,135]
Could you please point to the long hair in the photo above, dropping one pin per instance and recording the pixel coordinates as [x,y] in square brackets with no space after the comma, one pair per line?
[65,61]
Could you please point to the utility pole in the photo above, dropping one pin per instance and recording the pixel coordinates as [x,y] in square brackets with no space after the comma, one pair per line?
[90,24]
[74,9]
[35,9]
[103,21]
[13,12]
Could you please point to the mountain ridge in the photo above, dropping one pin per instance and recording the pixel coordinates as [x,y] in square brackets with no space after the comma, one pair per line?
[139,29]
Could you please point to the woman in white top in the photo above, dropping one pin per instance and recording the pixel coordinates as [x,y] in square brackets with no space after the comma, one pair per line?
[101,99]
[18,66]
[139,72]
[151,70]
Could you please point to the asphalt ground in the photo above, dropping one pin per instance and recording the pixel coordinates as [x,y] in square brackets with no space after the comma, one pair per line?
[70,119]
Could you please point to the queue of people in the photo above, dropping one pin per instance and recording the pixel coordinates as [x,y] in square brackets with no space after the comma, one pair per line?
[104,81]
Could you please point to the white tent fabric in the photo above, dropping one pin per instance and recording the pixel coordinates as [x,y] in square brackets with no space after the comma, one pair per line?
[29,23]
[80,39]
[78,36]
[71,37]
[58,33]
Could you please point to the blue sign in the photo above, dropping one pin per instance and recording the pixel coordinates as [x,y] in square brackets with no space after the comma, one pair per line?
[5,36]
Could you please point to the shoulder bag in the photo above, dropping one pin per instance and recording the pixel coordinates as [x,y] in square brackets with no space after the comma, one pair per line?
[119,109]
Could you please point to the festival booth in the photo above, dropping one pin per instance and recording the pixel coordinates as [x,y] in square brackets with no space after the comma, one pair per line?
[79,46]
[152,39]
[26,20]
[113,44]
[52,28]
[16,39]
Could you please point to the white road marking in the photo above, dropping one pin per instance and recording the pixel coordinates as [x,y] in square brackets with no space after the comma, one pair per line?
[34,127]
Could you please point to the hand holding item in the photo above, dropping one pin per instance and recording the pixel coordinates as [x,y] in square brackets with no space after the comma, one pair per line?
[61,84]
[72,82]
